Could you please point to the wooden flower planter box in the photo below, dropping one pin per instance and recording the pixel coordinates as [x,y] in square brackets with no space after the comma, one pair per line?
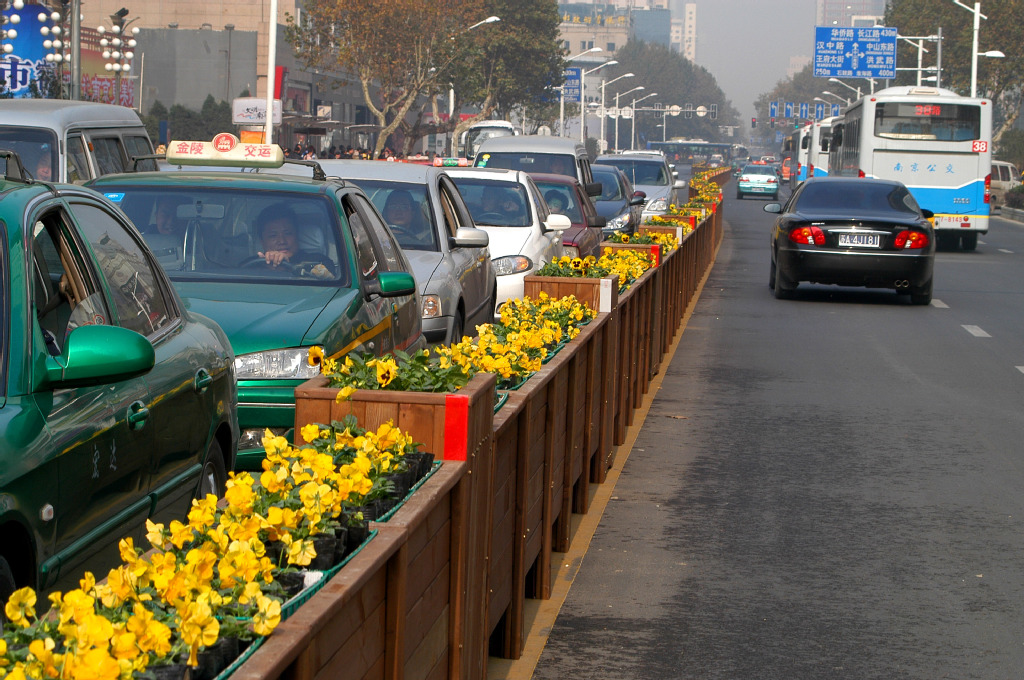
[397,609]
[601,295]
[456,427]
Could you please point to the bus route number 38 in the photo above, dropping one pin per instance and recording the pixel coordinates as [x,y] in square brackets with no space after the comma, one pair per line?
[979,146]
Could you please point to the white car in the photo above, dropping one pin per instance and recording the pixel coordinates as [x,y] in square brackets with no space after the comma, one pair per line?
[524,236]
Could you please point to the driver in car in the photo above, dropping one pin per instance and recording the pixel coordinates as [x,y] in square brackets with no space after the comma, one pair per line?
[405,219]
[275,226]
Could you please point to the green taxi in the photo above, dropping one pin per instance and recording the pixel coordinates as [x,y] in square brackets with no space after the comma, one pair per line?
[281,262]
[117,403]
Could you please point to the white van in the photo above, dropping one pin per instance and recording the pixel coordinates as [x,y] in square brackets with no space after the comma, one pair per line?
[539,153]
[72,141]
[1004,177]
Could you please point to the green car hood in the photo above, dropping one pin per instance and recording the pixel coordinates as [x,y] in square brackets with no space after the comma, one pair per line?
[258,318]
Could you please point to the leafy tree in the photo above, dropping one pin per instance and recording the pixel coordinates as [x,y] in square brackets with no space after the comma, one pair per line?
[157,113]
[677,81]
[802,87]
[398,49]
[999,79]
[1011,147]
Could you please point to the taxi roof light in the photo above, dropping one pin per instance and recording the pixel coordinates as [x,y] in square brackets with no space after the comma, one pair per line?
[225,150]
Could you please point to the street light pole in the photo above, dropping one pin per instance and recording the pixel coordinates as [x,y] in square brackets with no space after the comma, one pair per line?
[602,141]
[848,87]
[561,97]
[617,95]
[452,143]
[632,134]
[583,99]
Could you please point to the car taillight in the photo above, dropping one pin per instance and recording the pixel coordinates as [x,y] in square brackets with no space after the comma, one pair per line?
[910,240]
[772,180]
[810,170]
[860,173]
[808,236]
[988,188]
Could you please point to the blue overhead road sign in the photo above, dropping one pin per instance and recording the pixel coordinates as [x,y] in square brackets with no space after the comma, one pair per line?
[773,109]
[854,52]
[571,87]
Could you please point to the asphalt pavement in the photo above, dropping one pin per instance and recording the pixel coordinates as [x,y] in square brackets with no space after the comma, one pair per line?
[824,487]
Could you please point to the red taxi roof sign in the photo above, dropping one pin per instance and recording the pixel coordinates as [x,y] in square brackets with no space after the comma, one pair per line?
[227,150]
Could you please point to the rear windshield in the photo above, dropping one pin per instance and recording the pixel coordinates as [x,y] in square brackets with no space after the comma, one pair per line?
[554,163]
[936,121]
[494,203]
[37,148]
[650,173]
[210,234]
[406,209]
[856,196]
[759,170]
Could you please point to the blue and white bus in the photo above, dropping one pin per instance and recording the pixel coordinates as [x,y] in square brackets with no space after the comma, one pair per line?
[795,146]
[817,149]
[936,142]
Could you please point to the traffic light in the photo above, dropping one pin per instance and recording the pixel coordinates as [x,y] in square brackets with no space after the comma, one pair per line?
[753,122]
[771,122]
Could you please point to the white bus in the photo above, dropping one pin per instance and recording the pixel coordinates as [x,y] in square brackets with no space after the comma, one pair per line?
[472,138]
[817,149]
[795,145]
[936,142]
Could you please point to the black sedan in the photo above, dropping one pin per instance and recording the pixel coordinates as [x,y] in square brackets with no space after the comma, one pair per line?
[618,203]
[852,232]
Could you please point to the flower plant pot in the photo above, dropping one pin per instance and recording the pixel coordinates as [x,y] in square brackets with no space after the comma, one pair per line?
[357,533]
[215,658]
[340,544]
[292,581]
[325,545]
[174,671]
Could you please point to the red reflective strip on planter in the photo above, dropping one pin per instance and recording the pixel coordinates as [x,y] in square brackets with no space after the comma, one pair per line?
[456,423]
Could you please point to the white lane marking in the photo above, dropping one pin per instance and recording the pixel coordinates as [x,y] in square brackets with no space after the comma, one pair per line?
[975,331]
[1004,250]
[940,304]
[1020,368]
[982,243]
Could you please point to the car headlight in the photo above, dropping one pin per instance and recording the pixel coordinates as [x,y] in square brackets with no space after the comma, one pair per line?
[570,251]
[431,307]
[278,364]
[657,205]
[618,223]
[511,264]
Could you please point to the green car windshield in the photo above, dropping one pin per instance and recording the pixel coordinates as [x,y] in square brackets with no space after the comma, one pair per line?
[238,234]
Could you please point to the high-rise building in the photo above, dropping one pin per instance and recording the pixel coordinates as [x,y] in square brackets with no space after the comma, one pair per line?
[689,49]
[849,12]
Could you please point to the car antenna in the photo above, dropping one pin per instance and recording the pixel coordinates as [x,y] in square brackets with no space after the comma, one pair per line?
[318,172]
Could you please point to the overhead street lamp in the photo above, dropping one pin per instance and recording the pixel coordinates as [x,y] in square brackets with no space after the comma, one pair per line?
[561,97]
[602,143]
[451,88]
[978,16]
[632,134]
[119,49]
[848,87]
[617,95]
[583,99]
[833,94]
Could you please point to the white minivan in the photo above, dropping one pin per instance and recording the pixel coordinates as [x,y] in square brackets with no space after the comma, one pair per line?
[73,141]
[1004,177]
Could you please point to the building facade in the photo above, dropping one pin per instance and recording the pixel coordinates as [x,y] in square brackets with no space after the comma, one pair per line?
[849,12]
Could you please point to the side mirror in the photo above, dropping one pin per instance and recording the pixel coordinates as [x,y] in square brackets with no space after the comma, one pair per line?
[928,214]
[94,355]
[597,221]
[391,284]
[638,200]
[593,189]
[773,208]
[557,222]
[468,237]
[679,184]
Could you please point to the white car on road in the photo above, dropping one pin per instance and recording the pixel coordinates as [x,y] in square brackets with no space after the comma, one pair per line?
[524,236]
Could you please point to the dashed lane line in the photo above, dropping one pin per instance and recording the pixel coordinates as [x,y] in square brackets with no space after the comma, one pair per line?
[1004,250]
[940,304]
[975,331]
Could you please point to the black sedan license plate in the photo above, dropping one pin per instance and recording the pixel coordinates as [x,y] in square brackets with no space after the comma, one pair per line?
[859,240]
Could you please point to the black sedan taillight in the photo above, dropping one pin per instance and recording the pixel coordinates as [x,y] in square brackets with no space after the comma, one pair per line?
[808,236]
[910,240]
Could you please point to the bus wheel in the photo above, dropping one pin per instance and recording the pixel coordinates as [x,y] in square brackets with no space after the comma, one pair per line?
[969,241]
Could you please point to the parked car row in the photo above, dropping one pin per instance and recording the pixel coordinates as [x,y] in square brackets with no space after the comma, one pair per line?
[158,322]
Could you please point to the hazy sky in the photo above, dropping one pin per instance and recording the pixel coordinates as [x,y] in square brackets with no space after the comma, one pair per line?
[747,44]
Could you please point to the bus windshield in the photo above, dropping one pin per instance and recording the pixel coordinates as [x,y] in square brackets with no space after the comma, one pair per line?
[939,121]
[475,136]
